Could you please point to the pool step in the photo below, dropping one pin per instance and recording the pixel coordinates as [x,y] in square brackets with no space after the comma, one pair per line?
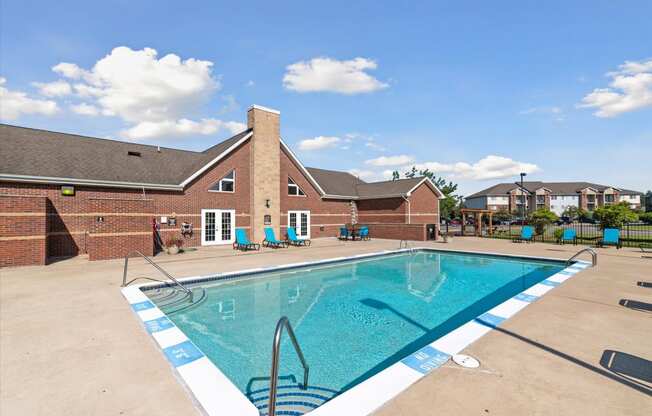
[172,299]
[292,400]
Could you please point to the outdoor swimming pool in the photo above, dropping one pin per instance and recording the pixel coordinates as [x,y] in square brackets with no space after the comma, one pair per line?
[353,319]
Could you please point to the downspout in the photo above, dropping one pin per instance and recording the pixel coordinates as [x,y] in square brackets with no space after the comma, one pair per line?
[409,221]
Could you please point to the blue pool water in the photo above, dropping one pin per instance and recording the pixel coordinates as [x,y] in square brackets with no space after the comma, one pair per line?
[352,319]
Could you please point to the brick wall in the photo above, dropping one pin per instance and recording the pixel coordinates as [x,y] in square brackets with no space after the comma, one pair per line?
[424,206]
[416,232]
[386,210]
[124,226]
[23,230]
[326,216]
[72,219]
[68,225]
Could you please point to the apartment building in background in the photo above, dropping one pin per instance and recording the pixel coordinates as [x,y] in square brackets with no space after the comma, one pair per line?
[556,196]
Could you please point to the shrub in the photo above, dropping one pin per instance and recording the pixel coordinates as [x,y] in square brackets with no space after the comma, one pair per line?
[614,216]
[558,233]
[646,218]
[541,218]
[502,215]
[174,241]
[573,212]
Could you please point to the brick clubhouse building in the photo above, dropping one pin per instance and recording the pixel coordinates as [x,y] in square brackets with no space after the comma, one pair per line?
[65,195]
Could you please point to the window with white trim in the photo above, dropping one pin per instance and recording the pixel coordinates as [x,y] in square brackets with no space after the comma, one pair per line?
[293,188]
[226,184]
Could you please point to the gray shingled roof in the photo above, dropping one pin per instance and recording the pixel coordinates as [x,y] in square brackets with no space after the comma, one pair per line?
[556,188]
[334,182]
[387,188]
[46,154]
[342,183]
[32,152]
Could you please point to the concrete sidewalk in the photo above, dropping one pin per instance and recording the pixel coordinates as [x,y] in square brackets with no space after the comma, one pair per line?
[69,344]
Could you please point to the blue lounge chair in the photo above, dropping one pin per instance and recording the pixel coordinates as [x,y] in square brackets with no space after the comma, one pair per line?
[344,233]
[569,236]
[610,237]
[271,241]
[242,242]
[527,234]
[363,233]
[294,240]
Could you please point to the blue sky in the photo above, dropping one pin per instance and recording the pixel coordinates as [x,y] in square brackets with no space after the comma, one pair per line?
[477,91]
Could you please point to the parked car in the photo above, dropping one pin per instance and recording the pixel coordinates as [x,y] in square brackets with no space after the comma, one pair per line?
[564,220]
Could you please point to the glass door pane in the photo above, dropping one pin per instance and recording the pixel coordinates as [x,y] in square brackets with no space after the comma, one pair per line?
[304,224]
[209,226]
[227,225]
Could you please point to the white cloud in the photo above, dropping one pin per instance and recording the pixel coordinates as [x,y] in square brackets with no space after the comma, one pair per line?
[85,109]
[365,175]
[390,160]
[319,142]
[137,86]
[375,146]
[230,104]
[326,74]
[13,104]
[556,112]
[489,167]
[153,95]
[630,90]
[179,128]
[53,89]
[250,83]
[68,70]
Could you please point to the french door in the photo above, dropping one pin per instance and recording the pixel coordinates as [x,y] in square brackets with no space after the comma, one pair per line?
[217,226]
[300,221]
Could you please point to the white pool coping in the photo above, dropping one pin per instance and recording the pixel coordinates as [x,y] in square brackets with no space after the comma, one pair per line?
[216,395]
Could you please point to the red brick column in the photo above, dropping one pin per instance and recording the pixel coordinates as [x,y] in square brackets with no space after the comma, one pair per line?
[23,230]
[119,226]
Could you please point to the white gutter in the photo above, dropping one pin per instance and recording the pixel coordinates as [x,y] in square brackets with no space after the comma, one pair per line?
[359,198]
[88,182]
[296,160]
[215,160]
[409,221]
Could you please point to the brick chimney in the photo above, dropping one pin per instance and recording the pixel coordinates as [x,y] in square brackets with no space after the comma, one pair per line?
[265,170]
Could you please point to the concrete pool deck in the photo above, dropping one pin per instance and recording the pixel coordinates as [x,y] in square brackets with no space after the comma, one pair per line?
[54,360]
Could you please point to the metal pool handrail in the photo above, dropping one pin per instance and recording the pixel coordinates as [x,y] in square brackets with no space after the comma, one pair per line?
[157,267]
[400,244]
[594,256]
[284,322]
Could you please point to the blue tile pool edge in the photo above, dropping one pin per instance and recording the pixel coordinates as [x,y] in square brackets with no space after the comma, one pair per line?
[199,374]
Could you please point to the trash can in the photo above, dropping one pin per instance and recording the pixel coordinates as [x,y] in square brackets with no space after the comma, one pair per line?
[431,231]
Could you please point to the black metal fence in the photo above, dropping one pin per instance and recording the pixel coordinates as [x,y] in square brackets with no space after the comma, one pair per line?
[631,235]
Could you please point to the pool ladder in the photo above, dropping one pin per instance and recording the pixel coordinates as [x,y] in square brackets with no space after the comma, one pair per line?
[594,256]
[284,322]
[187,291]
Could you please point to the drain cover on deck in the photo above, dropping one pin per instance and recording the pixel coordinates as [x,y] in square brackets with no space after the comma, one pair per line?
[466,361]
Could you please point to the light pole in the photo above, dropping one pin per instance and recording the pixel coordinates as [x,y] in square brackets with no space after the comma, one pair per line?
[523,174]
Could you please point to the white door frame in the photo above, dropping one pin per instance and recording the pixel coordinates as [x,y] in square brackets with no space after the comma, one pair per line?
[218,227]
[298,227]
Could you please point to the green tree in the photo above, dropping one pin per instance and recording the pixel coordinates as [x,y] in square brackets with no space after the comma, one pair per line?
[614,216]
[542,218]
[448,205]
[503,215]
[646,217]
[573,212]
